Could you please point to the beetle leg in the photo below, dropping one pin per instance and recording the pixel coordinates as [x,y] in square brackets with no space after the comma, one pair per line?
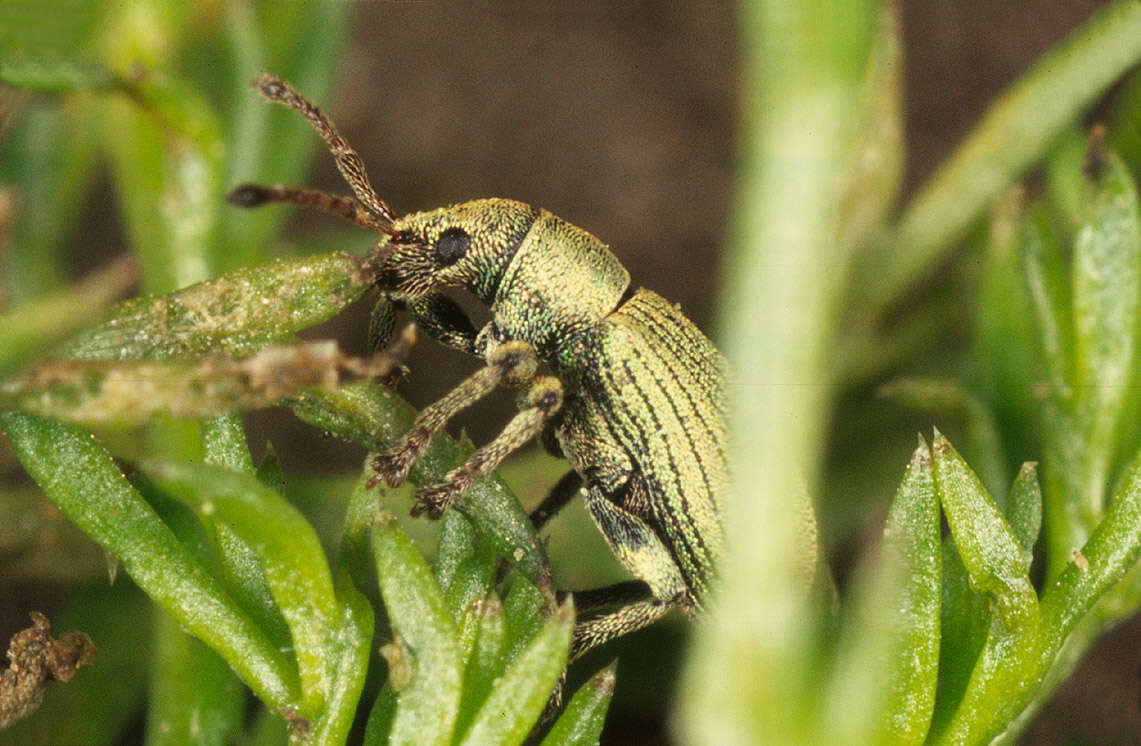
[435,314]
[442,319]
[630,618]
[562,493]
[381,323]
[619,594]
[509,361]
[542,399]
[640,550]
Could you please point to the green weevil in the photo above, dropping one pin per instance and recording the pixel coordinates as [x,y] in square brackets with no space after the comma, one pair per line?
[615,378]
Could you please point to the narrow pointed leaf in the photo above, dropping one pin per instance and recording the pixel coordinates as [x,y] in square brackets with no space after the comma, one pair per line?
[526,609]
[582,720]
[349,652]
[487,660]
[520,695]
[965,622]
[989,549]
[1106,282]
[1024,509]
[1112,549]
[872,181]
[465,565]
[237,313]
[224,439]
[428,700]
[290,553]
[883,684]
[912,544]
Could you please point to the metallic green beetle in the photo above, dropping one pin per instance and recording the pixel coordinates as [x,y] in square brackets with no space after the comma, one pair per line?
[632,394]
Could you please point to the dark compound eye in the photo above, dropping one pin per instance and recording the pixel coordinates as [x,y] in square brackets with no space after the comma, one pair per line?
[451,246]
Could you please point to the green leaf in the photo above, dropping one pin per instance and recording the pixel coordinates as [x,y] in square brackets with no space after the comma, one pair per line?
[86,485]
[527,609]
[194,697]
[424,659]
[1015,132]
[914,549]
[804,69]
[465,571]
[521,693]
[487,659]
[348,657]
[1112,549]
[1024,509]
[1009,665]
[30,328]
[873,179]
[224,439]
[989,549]
[1106,282]
[49,160]
[288,548]
[882,688]
[582,720]
[238,313]
[966,618]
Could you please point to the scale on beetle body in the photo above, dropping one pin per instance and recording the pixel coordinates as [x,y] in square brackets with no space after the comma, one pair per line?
[614,378]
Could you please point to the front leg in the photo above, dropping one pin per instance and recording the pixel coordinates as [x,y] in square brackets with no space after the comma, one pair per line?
[435,314]
[511,361]
[541,400]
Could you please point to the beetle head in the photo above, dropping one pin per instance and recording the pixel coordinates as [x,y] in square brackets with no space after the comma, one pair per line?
[467,245]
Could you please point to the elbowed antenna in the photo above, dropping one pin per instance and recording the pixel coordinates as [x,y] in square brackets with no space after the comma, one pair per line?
[256,195]
[349,163]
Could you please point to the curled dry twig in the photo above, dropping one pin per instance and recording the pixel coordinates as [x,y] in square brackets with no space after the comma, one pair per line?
[34,658]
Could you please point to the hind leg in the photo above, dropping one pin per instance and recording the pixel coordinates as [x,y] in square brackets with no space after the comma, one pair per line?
[640,550]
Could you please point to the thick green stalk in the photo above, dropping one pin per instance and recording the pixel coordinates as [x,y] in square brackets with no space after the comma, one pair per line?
[805,65]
